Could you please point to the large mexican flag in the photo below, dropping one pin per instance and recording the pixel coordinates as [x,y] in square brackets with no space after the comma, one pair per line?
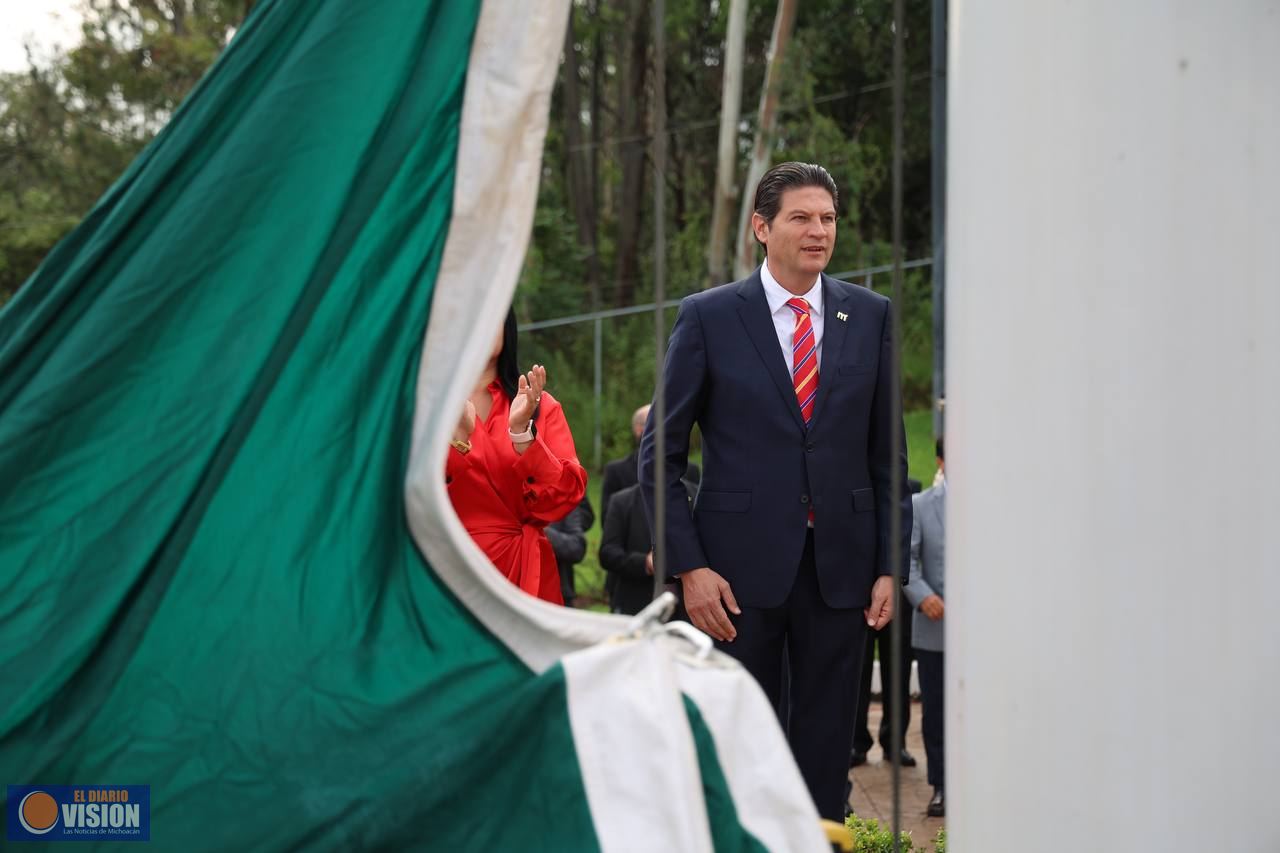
[228,567]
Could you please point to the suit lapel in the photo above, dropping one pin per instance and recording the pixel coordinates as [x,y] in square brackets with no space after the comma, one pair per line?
[754,312]
[834,331]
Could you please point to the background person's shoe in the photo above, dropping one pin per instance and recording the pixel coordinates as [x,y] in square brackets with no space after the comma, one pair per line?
[857,759]
[907,759]
[937,805]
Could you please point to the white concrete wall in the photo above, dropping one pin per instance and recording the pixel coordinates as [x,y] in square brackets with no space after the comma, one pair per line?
[1114,426]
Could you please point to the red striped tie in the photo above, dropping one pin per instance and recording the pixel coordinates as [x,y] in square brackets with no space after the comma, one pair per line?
[804,357]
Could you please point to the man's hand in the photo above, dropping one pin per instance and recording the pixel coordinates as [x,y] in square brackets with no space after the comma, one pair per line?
[881,609]
[704,592]
[648,564]
[933,607]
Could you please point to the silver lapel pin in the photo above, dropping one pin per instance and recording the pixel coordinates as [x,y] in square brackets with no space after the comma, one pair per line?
[840,315]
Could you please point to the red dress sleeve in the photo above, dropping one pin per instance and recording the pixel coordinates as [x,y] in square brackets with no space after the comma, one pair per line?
[553,481]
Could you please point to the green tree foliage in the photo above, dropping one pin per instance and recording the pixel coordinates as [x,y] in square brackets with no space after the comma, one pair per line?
[70,126]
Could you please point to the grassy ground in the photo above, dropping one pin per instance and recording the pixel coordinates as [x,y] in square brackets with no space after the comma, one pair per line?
[589,577]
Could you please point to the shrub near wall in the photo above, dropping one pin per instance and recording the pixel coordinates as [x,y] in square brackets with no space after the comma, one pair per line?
[870,837]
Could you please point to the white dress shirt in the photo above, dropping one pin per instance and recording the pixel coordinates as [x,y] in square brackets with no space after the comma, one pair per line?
[784,319]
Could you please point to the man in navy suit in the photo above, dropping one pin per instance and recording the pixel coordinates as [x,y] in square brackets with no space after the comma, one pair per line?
[788,373]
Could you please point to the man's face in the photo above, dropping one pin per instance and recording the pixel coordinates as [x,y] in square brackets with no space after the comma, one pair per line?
[801,237]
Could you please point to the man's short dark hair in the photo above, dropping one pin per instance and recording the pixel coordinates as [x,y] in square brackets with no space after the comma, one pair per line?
[938,447]
[790,176]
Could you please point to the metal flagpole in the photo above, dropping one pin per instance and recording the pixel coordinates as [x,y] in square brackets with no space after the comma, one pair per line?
[895,537]
[659,290]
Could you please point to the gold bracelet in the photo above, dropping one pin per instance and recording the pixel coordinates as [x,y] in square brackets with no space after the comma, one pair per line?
[463,447]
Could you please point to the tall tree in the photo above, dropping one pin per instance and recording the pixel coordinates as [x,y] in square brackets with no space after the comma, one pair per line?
[632,112]
[580,175]
[766,120]
[727,148]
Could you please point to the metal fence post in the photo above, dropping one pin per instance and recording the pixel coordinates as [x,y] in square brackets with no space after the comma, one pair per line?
[597,386]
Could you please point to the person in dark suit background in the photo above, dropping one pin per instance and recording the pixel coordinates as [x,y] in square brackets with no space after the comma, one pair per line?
[895,687]
[621,473]
[788,373]
[569,542]
[626,550]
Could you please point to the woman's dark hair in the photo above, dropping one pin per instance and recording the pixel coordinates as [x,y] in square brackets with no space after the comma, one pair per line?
[938,447]
[509,371]
[509,359]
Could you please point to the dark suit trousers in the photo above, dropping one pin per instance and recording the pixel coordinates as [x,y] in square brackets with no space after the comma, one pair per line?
[824,654]
[931,696]
[895,686]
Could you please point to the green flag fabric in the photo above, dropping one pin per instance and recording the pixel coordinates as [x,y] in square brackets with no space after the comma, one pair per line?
[228,568]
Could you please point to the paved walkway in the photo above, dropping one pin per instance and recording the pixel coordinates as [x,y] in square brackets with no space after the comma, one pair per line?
[873,784]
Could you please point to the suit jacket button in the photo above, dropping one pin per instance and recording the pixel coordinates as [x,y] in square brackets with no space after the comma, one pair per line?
[804,499]
[809,447]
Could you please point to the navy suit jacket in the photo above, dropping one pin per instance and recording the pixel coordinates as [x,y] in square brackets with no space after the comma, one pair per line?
[762,469]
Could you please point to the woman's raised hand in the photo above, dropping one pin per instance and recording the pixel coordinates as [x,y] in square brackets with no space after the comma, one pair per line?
[526,400]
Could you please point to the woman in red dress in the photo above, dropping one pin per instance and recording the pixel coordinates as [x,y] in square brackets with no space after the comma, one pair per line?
[512,469]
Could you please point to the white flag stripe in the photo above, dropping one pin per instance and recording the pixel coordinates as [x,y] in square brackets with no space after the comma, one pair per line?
[635,748]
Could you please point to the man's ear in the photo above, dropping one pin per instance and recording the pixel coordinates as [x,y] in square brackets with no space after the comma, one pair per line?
[760,227]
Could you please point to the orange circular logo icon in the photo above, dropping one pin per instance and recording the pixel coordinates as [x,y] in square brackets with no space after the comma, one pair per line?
[38,812]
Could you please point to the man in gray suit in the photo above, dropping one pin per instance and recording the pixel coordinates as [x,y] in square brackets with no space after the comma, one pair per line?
[926,588]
